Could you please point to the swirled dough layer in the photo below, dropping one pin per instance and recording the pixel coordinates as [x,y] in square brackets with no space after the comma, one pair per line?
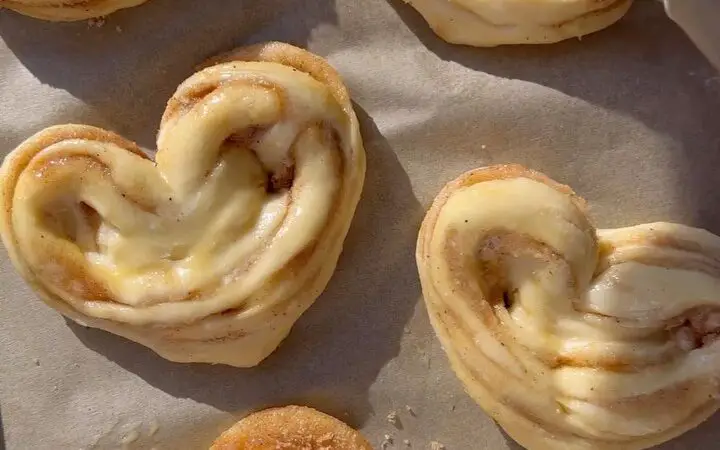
[488,23]
[568,336]
[67,10]
[213,250]
[292,428]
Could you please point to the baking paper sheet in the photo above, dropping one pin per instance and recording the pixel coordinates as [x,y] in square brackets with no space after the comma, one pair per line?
[628,117]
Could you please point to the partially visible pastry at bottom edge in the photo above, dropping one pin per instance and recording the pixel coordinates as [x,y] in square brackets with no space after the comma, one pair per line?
[488,23]
[67,10]
[571,337]
[292,428]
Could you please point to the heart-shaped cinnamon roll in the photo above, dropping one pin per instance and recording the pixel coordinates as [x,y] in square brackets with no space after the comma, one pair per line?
[487,23]
[568,336]
[211,252]
[67,10]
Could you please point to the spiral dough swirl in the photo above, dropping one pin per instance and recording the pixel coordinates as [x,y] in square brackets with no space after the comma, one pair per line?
[571,337]
[211,252]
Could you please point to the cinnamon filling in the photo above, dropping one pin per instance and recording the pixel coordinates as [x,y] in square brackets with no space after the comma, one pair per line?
[696,328]
[281,180]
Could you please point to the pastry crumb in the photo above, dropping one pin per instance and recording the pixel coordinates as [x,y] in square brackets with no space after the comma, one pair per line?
[387,442]
[154,427]
[131,437]
[392,418]
[435,445]
[409,410]
[407,442]
[118,29]
[37,361]
[96,22]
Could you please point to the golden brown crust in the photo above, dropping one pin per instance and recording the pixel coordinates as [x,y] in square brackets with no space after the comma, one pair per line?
[292,428]
[67,10]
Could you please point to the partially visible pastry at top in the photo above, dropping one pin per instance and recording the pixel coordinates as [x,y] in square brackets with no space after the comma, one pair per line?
[290,427]
[488,23]
[67,10]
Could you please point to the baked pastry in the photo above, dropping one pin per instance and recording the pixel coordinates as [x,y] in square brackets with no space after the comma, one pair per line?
[488,23]
[213,251]
[292,428]
[571,337]
[67,10]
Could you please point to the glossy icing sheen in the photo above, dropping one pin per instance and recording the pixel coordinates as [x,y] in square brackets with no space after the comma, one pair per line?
[571,337]
[213,251]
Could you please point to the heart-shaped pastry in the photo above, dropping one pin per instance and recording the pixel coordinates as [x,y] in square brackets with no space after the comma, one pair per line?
[67,10]
[211,252]
[568,336]
[487,23]
[292,428]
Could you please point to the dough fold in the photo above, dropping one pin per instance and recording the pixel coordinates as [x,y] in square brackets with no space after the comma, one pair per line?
[210,252]
[568,336]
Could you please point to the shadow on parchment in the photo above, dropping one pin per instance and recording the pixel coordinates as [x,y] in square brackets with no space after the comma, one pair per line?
[336,350]
[127,68]
[650,54]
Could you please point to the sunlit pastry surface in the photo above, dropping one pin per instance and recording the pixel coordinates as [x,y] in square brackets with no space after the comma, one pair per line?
[210,252]
[568,336]
[67,10]
[488,23]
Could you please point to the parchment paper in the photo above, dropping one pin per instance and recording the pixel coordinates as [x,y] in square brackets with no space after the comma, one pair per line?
[628,117]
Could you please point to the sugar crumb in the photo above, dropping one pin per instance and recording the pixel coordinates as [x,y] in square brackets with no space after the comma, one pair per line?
[392,417]
[435,445]
[154,427]
[131,437]
[96,22]
[387,442]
